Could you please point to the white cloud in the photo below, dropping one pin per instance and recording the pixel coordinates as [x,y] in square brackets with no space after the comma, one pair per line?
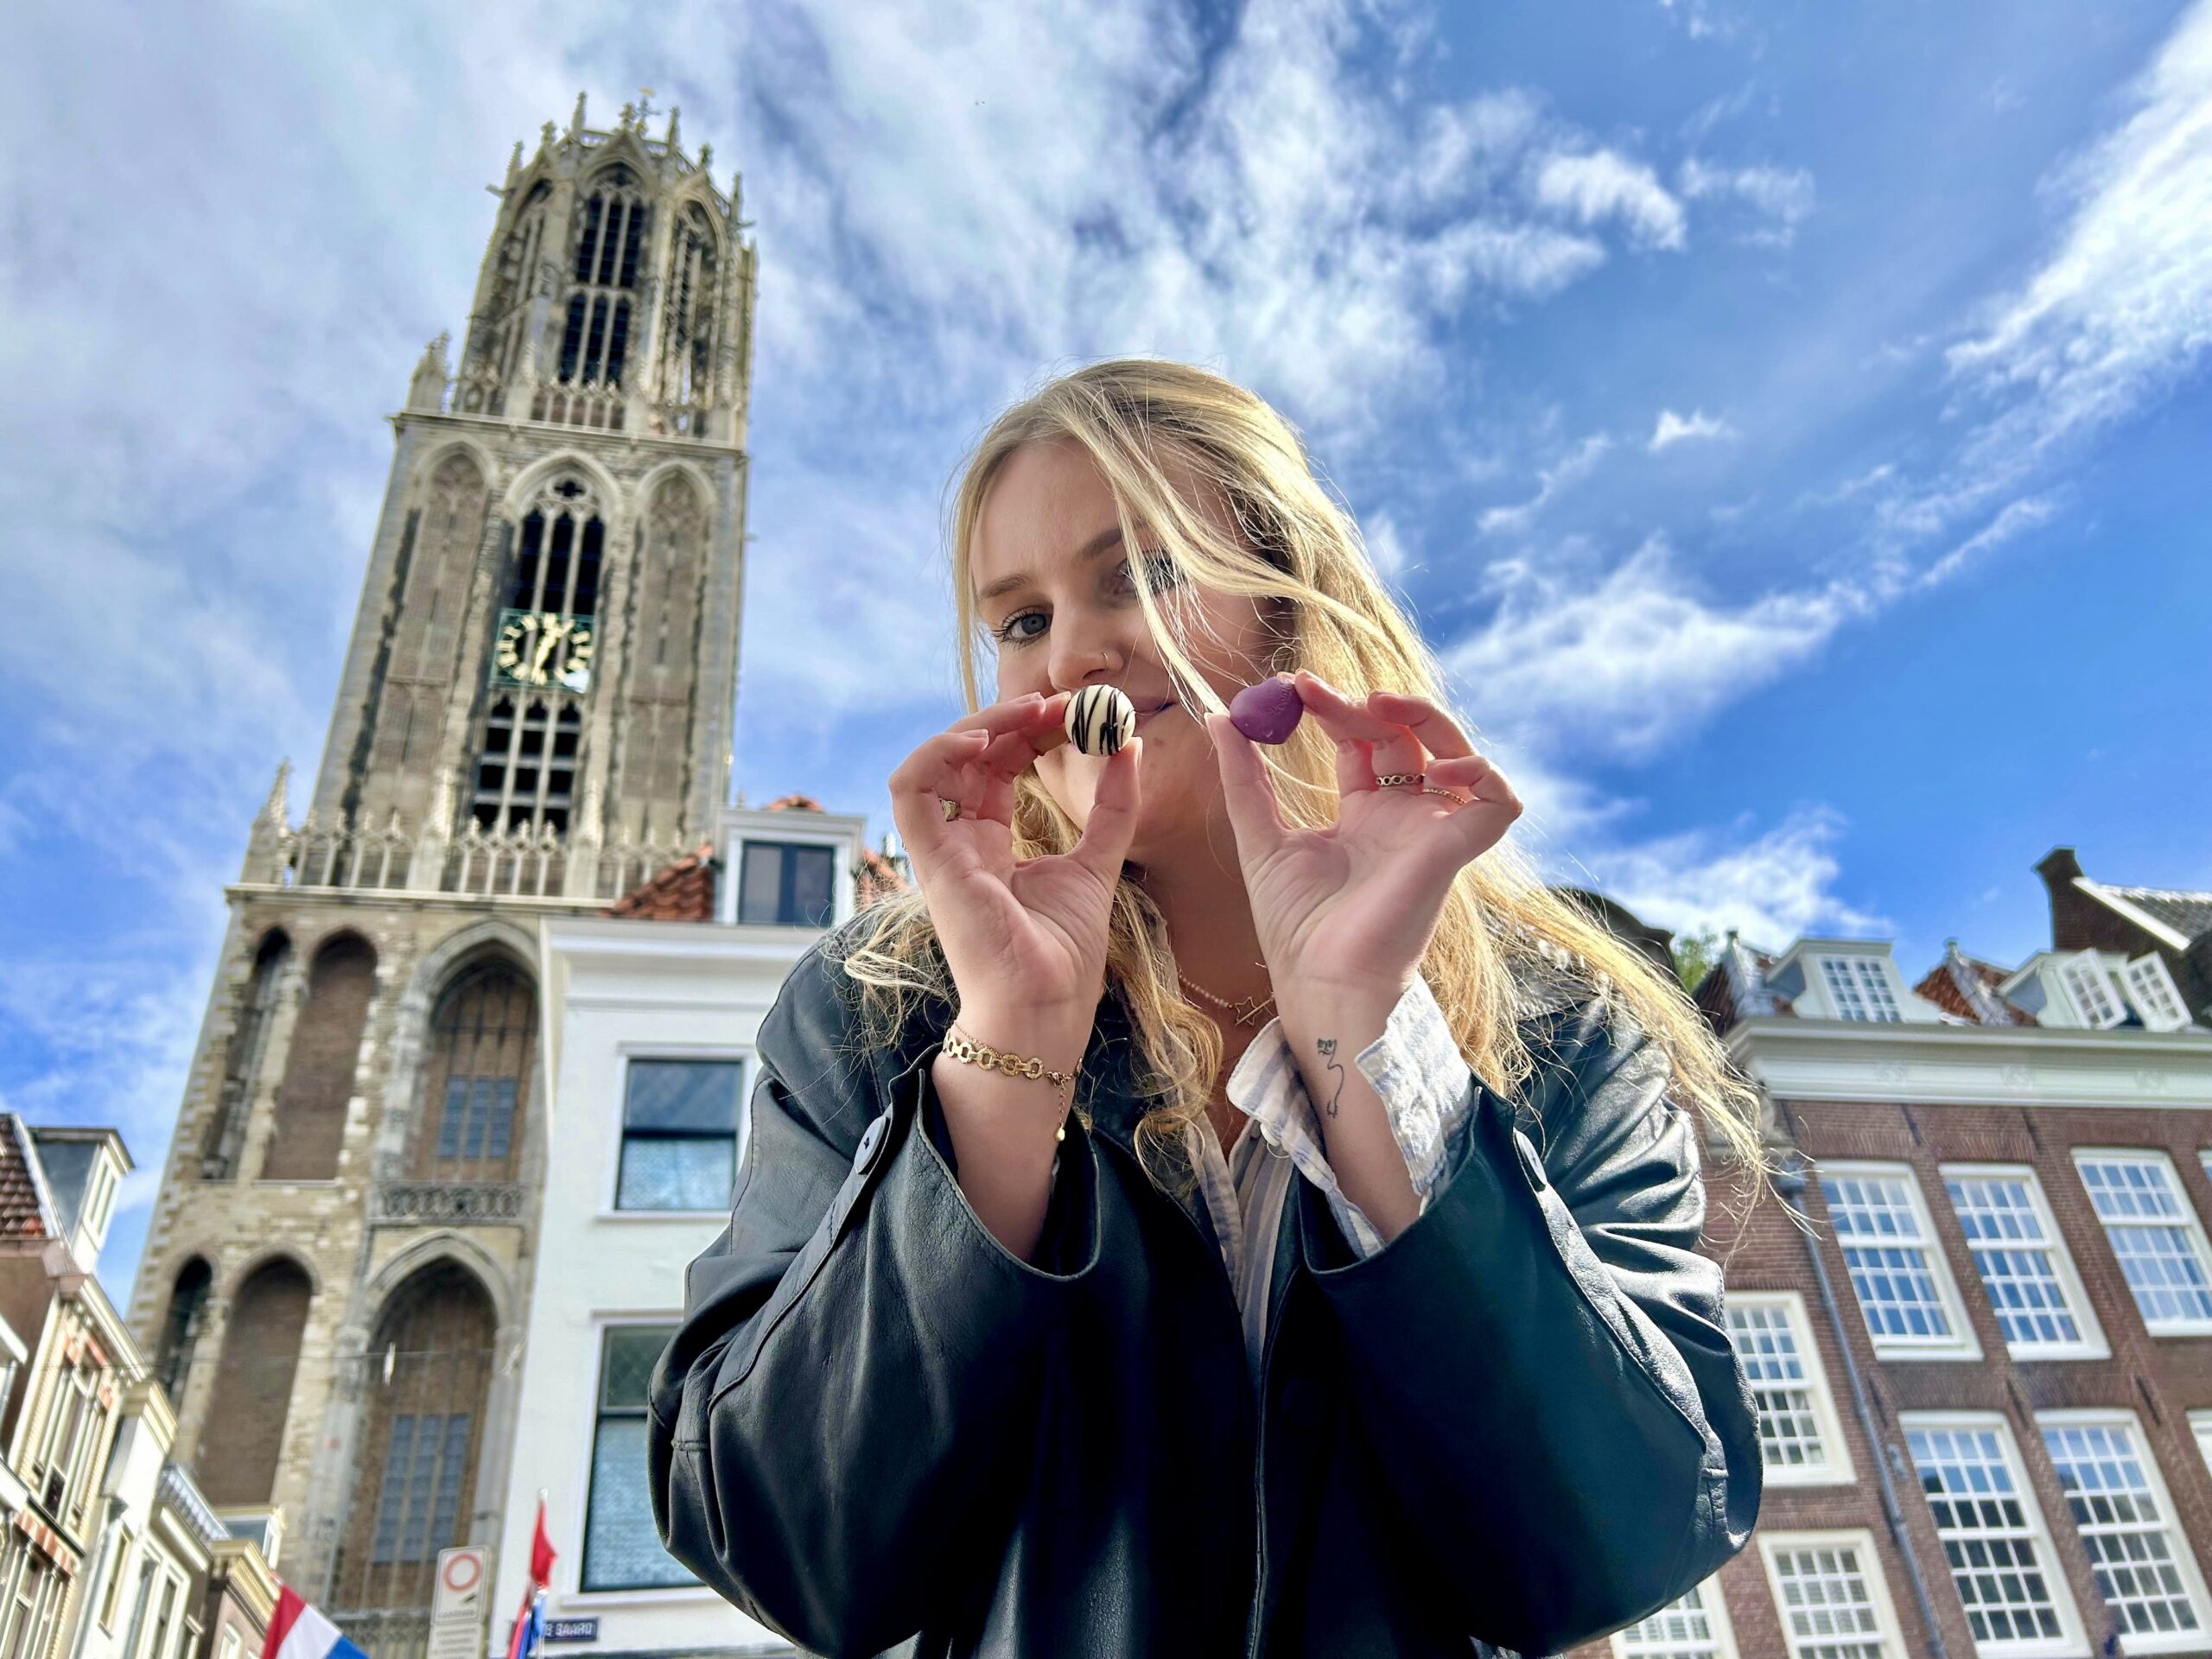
[2122,308]
[1618,662]
[1770,886]
[1602,184]
[2030,512]
[1575,464]
[1784,197]
[1672,428]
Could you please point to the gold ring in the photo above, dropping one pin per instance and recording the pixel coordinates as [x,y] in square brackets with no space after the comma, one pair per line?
[952,808]
[1399,780]
[1456,800]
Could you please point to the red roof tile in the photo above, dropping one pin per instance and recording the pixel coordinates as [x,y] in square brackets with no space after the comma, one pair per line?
[20,1217]
[684,891]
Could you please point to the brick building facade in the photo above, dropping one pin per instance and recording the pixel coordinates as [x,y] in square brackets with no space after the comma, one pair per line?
[1984,1356]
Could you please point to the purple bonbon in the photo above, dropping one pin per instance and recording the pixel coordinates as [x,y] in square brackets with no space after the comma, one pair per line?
[1268,712]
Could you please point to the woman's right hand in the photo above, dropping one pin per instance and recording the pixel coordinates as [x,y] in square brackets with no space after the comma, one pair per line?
[1028,936]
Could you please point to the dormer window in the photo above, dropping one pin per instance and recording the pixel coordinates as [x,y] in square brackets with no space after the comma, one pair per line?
[2090,986]
[1858,988]
[2151,989]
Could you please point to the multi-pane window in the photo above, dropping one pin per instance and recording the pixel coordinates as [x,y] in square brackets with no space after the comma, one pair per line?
[681,1121]
[2154,1234]
[1799,1438]
[1859,987]
[2023,1263]
[621,1548]
[420,1502]
[2136,1548]
[611,228]
[1827,1588]
[1696,1627]
[2151,988]
[2000,1557]
[1904,1290]
[2090,986]
[526,771]
[787,884]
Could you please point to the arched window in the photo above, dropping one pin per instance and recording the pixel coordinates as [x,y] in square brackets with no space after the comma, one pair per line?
[612,223]
[558,556]
[318,1082]
[180,1331]
[428,1370]
[688,327]
[244,1440]
[219,1155]
[477,1080]
[496,337]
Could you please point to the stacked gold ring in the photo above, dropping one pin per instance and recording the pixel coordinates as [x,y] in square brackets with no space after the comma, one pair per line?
[1399,780]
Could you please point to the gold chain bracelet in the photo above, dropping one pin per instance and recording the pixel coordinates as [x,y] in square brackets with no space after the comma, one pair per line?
[1012,1065]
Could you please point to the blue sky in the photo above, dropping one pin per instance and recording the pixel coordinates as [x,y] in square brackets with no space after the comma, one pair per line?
[1787,422]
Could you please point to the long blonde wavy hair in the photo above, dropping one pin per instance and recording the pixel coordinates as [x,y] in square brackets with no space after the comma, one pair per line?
[1140,420]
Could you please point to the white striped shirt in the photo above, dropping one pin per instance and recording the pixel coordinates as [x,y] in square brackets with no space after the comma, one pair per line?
[1415,1067]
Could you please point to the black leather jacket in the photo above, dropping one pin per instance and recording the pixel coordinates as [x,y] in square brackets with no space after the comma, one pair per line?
[1520,1424]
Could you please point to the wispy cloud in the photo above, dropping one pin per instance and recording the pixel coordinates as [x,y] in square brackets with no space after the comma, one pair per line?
[1672,428]
[1602,185]
[1771,885]
[1781,198]
[1577,464]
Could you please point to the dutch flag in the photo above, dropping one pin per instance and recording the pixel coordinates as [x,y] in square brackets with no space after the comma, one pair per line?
[298,1631]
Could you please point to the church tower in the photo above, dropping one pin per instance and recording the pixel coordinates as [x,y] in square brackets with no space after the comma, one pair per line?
[533,715]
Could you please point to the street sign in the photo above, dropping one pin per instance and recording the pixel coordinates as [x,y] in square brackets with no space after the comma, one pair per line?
[572,1629]
[457,1604]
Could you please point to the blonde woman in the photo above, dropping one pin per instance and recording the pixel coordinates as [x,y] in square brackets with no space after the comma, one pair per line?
[1231,1207]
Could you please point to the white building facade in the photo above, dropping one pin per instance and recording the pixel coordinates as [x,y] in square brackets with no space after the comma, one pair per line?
[650,1027]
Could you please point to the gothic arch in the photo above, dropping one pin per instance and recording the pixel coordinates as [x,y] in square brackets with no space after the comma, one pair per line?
[527,484]
[649,486]
[444,1245]
[489,940]
[425,1383]
[243,1442]
[259,1257]
[312,1101]
[451,446]
[472,1108]
[183,1322]
[242,1055]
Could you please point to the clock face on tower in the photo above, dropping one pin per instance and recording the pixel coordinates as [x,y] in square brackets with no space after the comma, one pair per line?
[542,648]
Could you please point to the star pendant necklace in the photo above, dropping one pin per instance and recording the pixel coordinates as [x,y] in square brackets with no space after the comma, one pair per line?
[1243,1013]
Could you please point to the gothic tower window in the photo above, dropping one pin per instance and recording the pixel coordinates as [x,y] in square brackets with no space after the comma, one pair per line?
[688,328]
[242,1064]
[180,1331]
[244,1437]
[477,1081]
[497,338]
[557,567]
[427,1372]
[610,230]
[319,1071]
[527,773]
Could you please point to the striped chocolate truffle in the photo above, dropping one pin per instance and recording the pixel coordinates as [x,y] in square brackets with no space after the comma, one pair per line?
[1100,719]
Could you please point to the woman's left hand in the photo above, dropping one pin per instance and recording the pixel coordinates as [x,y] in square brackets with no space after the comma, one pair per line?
[1351,907]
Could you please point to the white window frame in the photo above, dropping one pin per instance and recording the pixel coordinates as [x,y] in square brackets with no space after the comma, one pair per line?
[1962,1343]
[2072,1642]
[1866,979]
[572,1594]
[2092,1344]
[1712,1603]
[2147,981]
[1836,1470]
[744,1055]
[2184,1552]
[2071,972]
[2187,1221]
[1856,1539]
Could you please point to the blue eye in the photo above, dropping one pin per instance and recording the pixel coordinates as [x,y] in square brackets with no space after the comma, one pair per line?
[1005,634]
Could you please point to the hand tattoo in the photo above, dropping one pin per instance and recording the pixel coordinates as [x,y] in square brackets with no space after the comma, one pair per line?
[1328,1047]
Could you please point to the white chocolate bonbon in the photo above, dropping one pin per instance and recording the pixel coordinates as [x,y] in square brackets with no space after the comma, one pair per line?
[1101,719]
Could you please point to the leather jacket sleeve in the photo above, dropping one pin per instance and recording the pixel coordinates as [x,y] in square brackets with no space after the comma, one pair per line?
[835,1475]
[1541,1361]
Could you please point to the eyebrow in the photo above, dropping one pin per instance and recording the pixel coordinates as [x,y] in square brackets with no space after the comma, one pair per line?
[1090,549]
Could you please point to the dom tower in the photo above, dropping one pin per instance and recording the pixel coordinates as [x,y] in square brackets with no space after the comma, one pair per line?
[533,715]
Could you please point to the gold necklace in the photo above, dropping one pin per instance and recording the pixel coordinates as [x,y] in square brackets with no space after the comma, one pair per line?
[1243,1013]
